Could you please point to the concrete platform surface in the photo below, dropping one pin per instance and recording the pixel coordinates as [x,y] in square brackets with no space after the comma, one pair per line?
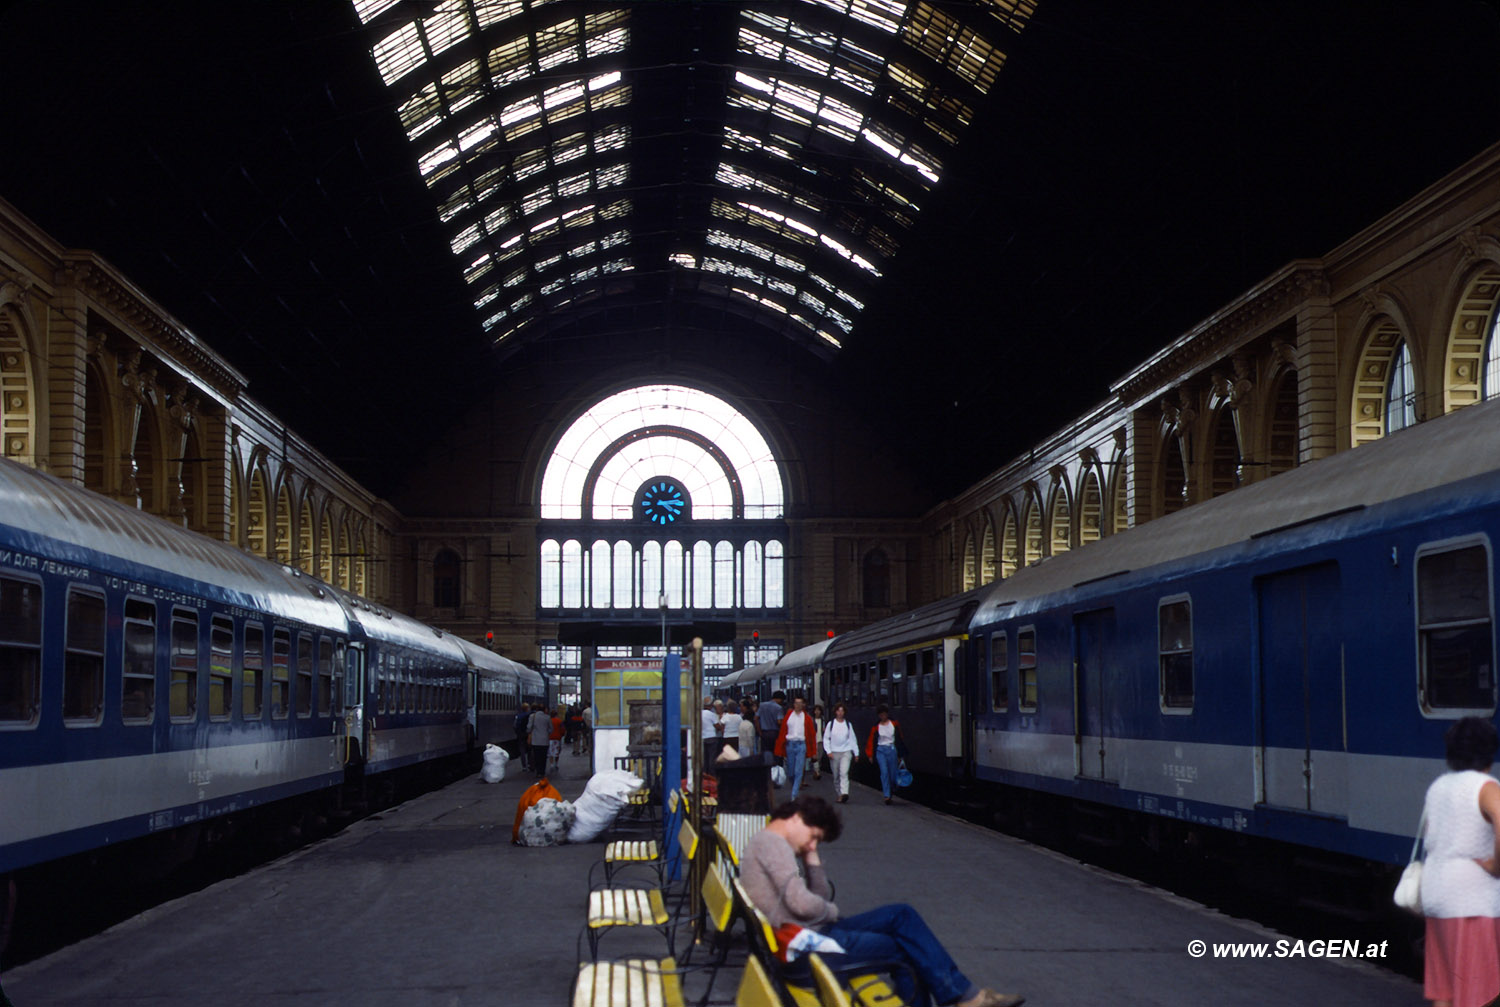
[430,904]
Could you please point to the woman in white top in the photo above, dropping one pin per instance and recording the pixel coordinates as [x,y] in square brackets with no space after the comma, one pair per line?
[841,744]
[1461,872]
[731,721]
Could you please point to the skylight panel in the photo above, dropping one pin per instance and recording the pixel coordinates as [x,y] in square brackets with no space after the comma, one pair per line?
[369,10]
[683,259]
[465,239]
[544,264]
[491,12]
[885,15]
[946,41]
[398,53]
[446,27]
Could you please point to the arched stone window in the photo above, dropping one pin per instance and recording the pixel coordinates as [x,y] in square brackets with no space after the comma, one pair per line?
[1472,369]
[306,557]
[257,516]
[987,553]
[445,579]
[17,391]
[1384,386]
[1224,455]
[1400,392]
[968,569]
[1174,476]
[283,538]
[325,545]
[1281,453]
[1034,539]
[98,431]
[876,576]
[1090,507]
[1010,546]
[1060,520]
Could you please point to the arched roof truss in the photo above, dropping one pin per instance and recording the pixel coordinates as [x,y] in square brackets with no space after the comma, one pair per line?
[777,162]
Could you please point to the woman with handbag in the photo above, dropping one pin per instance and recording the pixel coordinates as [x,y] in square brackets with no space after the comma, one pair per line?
[885,747]
[1460,884]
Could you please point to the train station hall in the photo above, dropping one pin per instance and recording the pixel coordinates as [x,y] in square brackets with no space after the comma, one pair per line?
[1098,393]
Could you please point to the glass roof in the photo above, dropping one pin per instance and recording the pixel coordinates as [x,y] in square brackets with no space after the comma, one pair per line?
[773,155]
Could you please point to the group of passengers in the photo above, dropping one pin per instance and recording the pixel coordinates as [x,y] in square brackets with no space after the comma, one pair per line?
[541,734]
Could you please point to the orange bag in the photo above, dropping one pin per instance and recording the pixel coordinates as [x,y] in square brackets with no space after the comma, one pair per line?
[540,790]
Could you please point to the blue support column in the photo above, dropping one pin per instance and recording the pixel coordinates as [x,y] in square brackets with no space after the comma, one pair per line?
[671,756]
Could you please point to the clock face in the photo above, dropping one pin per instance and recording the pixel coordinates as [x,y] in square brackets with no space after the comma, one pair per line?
[662,502]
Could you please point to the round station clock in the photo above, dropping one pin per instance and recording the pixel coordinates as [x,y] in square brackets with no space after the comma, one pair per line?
[661,501]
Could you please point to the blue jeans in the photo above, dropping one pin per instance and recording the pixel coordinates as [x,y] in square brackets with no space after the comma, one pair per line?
[796,758]
[897,932]
[886,759]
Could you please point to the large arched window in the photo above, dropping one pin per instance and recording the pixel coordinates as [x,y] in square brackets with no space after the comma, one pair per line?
[704,444]
[1400,392]
[624,498]
[1492,361]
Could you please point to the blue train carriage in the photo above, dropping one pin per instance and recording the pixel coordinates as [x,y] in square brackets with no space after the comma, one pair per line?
[415,698]
[493,694]
[912,662]
[150,678]
[1281,661]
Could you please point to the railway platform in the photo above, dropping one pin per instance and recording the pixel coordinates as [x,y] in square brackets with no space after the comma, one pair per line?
[429,904]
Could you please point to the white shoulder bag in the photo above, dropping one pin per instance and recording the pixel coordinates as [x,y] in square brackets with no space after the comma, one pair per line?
[1408,894]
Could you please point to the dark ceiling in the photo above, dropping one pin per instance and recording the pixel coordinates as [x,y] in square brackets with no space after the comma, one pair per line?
[1133,167]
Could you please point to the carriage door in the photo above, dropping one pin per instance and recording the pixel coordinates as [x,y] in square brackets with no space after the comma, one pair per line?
[955,687]
[1095,696]
[1303,744]
[354,703]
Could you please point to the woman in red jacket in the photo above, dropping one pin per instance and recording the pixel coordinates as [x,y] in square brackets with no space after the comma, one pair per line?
[884,747]
[796,741]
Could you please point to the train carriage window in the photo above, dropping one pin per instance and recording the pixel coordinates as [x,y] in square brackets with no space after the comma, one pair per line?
[913,681]
[325,675]
[220,667]
[183,700]
[929,678]
[83,670]
[138,674]
[336,697]
[1026,670]
[1175,619]
[281,670]
[304,688]
[1455,630]
[20,651]
[252,698]
[999,672]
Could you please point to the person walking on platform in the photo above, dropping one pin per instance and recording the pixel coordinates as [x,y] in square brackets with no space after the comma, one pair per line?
[522,725]
[813,759]
[588,727]
[842,745]
[796,739]
[1461,873]
[885,747]
[749,732]
[783,875]
[555,739]
[539,732]
[768,717]
[573,729]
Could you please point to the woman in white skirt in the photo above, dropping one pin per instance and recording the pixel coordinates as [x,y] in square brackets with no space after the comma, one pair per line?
[841,745]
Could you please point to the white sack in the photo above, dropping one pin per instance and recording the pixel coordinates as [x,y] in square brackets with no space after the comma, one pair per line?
[546,823]
[601,801]
[495,760]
